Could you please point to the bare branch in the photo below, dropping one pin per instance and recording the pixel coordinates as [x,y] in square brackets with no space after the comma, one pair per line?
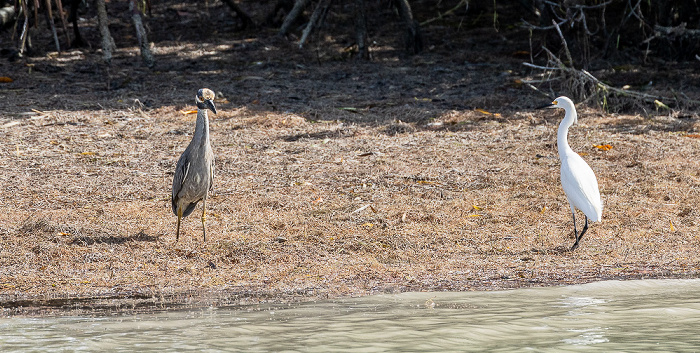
[563,41]
[531,26]
[541,67]
[448,12]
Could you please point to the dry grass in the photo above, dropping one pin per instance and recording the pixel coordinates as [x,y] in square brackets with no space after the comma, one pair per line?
[471,204]
[459,199]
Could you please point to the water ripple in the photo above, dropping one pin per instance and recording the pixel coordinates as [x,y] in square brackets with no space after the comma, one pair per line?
[605,316]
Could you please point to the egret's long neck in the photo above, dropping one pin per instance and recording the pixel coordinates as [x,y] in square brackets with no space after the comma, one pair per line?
[201,129]
[562,139]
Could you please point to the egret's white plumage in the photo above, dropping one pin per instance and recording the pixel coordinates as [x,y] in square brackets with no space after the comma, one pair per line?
[577,178]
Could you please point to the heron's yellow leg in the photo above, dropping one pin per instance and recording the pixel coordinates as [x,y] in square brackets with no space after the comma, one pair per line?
[204,217]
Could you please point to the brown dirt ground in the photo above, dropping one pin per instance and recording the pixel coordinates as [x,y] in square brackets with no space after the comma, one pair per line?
[442,176]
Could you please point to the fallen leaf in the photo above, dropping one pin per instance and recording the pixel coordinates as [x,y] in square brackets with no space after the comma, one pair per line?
[474,215]
[487,113]
[185,112]
[697,136]
[603,147]
[351,110]
[361,208]
[5,79]
[88,153]
[368,225]
[477,208]
[673,229]
[425,182]
[660,104]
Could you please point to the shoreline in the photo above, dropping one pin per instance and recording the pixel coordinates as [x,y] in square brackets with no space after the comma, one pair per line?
[141,303]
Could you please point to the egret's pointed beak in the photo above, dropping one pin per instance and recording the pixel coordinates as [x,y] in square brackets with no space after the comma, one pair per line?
[210,104]
[549,105]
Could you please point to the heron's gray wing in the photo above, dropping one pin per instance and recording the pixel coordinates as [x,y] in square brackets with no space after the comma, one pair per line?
[211,175]
[183,167]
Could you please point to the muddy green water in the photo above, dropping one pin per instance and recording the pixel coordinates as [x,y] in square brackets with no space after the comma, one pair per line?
[629,316]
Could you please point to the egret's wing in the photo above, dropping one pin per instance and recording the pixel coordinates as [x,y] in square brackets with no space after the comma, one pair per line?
[581,186]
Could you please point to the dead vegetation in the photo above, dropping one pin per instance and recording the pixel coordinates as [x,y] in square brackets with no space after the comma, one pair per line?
[586,88]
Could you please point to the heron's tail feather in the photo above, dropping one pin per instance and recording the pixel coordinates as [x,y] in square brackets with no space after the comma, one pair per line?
[189,209]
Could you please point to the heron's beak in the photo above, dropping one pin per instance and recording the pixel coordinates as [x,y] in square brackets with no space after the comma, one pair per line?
[549,105]
[210,104]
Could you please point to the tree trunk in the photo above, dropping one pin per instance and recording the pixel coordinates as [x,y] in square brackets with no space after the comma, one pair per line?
[361,30]
[315,19]
[414,38]
[73,17]
[146,54]
[59,7]
[24,39]
[292,16]
[102,22]
[52,26]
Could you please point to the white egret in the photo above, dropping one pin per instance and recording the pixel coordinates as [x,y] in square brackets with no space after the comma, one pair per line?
[577,178]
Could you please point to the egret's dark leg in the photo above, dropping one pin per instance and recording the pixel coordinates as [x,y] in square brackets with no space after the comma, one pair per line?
[573,215]
[585,228]
[578,238]
[204,217]
[179,217]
